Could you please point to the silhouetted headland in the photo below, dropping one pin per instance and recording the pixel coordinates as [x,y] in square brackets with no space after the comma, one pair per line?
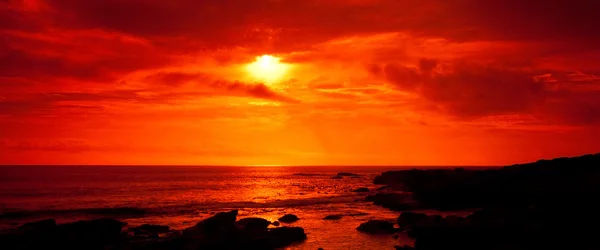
[548,204]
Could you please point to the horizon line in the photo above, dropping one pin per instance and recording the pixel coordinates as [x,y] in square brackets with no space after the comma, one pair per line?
[257,165]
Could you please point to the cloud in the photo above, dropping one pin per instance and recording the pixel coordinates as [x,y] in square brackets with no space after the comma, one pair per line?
[257,90]
[84,55]
[93,101]
[73,146]
[284,24]
[472,90]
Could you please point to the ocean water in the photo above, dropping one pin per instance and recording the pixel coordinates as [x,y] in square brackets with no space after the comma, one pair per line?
[180,196]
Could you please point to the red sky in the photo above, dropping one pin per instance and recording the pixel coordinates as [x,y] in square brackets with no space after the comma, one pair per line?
[379,82]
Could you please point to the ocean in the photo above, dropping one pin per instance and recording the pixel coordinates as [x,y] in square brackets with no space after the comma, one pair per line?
[180,196]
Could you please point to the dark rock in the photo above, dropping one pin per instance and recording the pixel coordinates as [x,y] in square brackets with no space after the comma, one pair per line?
[220,223]
[405,247]
[87,234]
[320,248]
[409,218]
[304,174]
[288,218]
[149,231]
[332,217]
[453,221]
[521,206]
[42,226]
[98,231]
[275,223]
[342,174]
[337,177]
[156,229]
[222,232]
[217,232]
[253,224]
[394,201]
[284,236]
[376,227]
[383,188]
[361,190]
[512,186]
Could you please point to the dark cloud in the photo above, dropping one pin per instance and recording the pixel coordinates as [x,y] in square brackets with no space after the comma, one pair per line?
[289,23]
[472,90]
[257,90]
[222,87]
[479,90]
[402,77]
[37,58]
[176,78]
[93,101]
[427,65]
[541,20]
[18,63]
[578,108]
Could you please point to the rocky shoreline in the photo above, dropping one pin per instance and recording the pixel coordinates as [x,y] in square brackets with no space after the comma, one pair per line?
[549,204]
[221,231]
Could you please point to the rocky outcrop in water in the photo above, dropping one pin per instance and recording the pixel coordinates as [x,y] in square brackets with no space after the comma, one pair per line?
[376,227]
[342,174]
[361,190]
[333,217]
[394,201]
[288,218]
[253,224]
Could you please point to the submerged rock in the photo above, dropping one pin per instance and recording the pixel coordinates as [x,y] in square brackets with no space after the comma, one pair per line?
[361,190]
[332,217]
[405,247]
[284,236]
[342,174]
[275,223]
[288,218]
[376,227]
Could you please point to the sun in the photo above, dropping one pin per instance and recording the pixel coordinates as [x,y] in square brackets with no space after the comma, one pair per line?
[267,68]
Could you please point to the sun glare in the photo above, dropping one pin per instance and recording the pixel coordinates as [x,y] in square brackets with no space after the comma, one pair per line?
[267,68]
